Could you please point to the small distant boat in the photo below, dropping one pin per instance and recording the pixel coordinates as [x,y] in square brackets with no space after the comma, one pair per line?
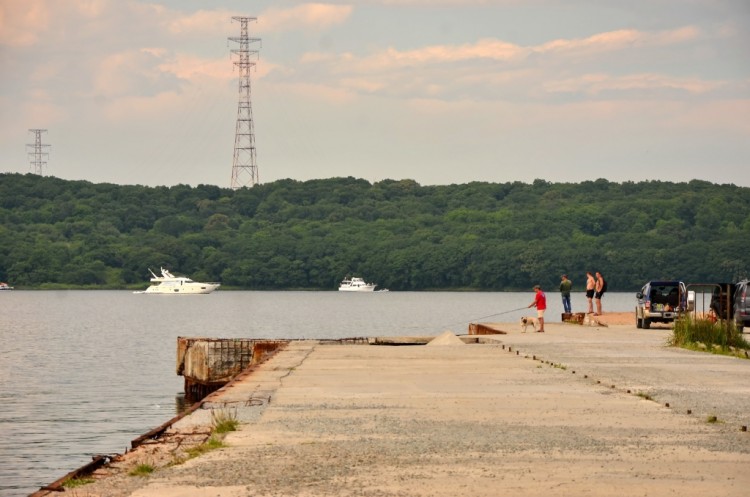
[170,284]
[356,285]
[5,286]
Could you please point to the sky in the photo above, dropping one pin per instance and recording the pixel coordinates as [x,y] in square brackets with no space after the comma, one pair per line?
[437,91]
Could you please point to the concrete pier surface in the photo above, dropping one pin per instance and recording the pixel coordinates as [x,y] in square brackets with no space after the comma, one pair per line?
[573,411]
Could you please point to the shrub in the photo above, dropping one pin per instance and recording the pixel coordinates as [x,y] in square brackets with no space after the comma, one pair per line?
[689,331]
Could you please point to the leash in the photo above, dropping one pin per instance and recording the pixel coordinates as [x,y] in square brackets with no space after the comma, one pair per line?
[485,317]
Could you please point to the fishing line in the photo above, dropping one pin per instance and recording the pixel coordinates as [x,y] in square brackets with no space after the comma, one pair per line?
[484,317]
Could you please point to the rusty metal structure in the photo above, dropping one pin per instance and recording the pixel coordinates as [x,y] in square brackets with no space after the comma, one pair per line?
[244,163]
[719,296]
[208,364]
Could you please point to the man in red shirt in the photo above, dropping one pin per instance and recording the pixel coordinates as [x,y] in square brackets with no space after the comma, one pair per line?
[540,302]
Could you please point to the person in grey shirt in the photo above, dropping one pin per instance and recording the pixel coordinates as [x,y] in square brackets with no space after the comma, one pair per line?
[565,286]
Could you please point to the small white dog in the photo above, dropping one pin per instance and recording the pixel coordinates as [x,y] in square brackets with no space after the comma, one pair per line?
[528,321]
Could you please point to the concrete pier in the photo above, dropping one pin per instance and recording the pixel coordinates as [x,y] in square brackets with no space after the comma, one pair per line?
[574,411]
[208,364]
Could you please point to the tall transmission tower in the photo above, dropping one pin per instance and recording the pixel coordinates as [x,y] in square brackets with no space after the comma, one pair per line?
[37,163]
[244,165]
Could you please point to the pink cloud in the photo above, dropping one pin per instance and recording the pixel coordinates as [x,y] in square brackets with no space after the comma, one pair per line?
[619,40]
[203,21]
[311,15]
[498,50]
[593,84]
[21,22]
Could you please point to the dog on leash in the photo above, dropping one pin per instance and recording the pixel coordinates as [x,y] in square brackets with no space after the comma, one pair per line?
[529,321]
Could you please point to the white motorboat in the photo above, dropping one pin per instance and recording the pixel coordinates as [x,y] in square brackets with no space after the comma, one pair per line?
[356,285]
[170,284]
[5,286]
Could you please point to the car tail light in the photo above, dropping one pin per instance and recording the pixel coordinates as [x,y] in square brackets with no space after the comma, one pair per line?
[648,305]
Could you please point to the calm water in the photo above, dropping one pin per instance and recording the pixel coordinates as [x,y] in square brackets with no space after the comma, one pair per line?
[85,372]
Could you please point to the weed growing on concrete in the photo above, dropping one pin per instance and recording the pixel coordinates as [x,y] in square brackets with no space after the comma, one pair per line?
[143,469]
[644,395]
[712,419]
[717,337]
[224,421]
[77,482]
[212,443]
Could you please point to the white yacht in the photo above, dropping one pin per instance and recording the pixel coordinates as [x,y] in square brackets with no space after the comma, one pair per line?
[170,284]
[356,285]
[5,286]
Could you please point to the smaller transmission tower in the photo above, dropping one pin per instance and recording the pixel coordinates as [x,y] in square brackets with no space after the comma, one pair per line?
[244,165]
[37,162]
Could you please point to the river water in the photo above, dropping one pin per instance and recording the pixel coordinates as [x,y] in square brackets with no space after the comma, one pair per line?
[85,372]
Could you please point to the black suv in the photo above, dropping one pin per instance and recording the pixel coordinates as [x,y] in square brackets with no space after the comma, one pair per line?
[741,305]
[660,302]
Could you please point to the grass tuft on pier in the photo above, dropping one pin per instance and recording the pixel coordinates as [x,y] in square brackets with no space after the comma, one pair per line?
[718,337]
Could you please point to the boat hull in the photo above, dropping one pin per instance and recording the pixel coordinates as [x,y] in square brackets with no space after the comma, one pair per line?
[356,284]
[358,289]
[191,289]
[169,284]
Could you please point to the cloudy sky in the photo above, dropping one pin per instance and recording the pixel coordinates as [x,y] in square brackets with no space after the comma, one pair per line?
[439,91]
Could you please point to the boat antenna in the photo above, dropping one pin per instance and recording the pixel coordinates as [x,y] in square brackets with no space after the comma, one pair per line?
[152,273]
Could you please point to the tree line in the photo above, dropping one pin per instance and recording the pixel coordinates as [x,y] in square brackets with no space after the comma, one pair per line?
[402,235]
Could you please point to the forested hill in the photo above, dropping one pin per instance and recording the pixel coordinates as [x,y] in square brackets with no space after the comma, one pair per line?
[297,235]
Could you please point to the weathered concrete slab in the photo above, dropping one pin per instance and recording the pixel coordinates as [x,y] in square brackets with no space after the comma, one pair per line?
[400,340]
[485,420]
[485,329]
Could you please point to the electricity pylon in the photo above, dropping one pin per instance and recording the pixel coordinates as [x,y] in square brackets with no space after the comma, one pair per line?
[37,163]
[244,164]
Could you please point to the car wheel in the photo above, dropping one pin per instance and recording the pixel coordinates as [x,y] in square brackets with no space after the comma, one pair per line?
[646,323]
[637,321]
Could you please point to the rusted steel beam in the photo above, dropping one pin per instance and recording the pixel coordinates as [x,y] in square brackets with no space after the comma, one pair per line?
[57,486]
[265,351]
[159,430]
